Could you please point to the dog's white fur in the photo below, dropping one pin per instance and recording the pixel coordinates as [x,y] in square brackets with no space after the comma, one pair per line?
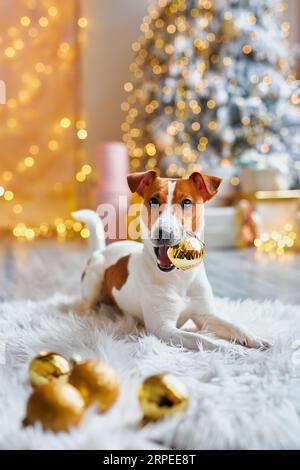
[161,301]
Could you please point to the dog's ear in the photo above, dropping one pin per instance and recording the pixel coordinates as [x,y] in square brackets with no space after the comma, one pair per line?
[138,182]
[207,185]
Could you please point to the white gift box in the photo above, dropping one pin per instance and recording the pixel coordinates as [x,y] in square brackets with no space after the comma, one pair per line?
[220,227]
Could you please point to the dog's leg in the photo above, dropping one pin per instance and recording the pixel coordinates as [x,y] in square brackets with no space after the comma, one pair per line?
[221,328]
[92,279]
[225,330]
[160,319]
[202,311]
[169,333]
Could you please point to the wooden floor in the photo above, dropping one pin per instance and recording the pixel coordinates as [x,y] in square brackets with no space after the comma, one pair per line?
[37,269]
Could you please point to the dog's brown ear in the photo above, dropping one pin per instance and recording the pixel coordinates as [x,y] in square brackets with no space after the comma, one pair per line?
[207,185]
[138,182]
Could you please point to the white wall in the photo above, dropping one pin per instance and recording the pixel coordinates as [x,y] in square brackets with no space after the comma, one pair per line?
[113,26]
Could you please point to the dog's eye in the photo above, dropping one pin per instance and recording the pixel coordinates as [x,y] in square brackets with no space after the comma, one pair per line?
[153,202]
[186,203]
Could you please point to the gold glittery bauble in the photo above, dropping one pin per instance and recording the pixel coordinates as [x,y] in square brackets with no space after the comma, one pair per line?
[48,366]
[187,254]
[97,383]
[56,405]
[161,396]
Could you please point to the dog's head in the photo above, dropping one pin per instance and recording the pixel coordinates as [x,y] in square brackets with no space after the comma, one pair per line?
[172,207]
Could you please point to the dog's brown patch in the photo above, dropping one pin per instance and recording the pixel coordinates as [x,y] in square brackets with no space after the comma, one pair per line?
[115,277]
[207,185]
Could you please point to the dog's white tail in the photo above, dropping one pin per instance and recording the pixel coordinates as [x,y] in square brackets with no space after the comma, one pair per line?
[95,226]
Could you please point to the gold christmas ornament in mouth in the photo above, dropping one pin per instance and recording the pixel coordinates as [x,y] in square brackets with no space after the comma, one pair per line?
[188,254]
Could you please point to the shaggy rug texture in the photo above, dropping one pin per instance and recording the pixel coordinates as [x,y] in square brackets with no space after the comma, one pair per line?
[239,399]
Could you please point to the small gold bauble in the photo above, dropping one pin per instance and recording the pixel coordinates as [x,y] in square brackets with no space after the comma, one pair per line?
[187,254]
[161,396]
[48,366]
[56,405]
[97,383]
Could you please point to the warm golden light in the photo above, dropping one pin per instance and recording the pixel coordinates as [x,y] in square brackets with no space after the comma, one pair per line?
[246,120]
[9,195]
[82,134]
[18,209]
[19,44]
[52,11]
[10,52]
[82,22]
[85,233]
[61,228]
[275,242]
[80,177]
[196,126]
[171,29]
[11,103]
[25,21]
[212,125]
[43,22]
[128,87]
[77,227]
[235,181]
[87,169]
[34,150]
[53,145]
[211,104]
[247,49]
[29,162]
[7,176]
[65,123]
[150,149]
[227,61]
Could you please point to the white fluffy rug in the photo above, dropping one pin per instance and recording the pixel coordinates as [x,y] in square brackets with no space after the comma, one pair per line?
[241,399]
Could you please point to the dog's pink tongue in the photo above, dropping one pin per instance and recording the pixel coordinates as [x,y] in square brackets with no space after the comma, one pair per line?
[163,257]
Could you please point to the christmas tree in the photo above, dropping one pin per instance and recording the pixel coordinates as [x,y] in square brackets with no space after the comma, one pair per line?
[212,85]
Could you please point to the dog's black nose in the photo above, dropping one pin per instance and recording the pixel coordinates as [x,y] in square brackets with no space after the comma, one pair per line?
[164,235]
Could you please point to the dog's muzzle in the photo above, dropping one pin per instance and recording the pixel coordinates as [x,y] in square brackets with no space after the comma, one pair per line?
[165,238]
[163,262]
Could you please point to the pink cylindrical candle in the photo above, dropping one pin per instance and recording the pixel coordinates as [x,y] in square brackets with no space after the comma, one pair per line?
[112,170]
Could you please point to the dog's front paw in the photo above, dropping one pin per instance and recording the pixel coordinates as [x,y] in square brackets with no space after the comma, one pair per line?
[250,342]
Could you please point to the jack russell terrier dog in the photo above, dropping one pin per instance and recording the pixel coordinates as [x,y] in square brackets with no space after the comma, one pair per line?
[140,280]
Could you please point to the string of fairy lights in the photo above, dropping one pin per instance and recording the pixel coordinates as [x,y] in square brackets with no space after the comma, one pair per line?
[276,242]
[40,24]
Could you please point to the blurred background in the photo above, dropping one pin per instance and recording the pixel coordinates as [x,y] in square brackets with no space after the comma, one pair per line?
[94,89]
[113,27]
